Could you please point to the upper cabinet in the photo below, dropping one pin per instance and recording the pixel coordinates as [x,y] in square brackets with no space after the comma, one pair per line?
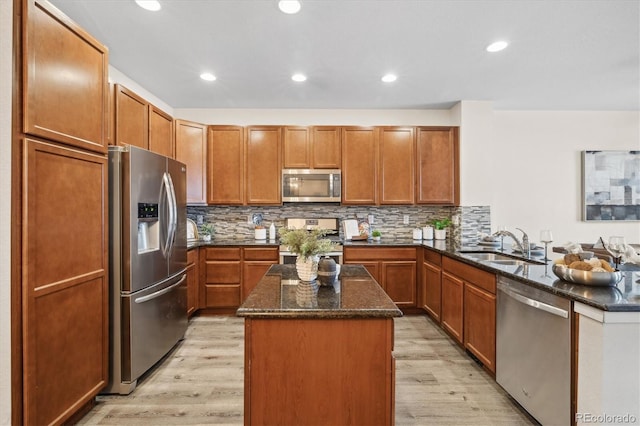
[161,132]
[225,162]
[263,166]
[359,165]
[191,149]
[397,154]
[438,165]
[132,118]
[65,81]
[315,147]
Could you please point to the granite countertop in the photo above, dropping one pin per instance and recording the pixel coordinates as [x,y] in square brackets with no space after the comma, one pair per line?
[355,294]
[238,241]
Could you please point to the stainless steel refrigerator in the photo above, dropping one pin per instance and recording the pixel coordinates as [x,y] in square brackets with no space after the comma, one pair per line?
[147,262]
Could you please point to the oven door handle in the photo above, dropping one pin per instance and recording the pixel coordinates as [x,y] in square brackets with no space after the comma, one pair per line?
[536,303]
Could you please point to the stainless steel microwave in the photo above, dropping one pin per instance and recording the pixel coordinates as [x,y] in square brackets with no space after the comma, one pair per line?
[311,185]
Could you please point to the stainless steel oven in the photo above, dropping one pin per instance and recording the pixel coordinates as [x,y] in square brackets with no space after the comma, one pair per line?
[328,224]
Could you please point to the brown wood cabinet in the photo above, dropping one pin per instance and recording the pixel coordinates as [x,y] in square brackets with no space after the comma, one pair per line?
[255,263]
[336,371]
[191,149]
[66,106]
[132,118]
[431,288]
[394,268]
[359,166]
[263,165]
[396,165]
[438,166]
[193,278]
[469,304]
[225,165]
[316,147]
[161,134]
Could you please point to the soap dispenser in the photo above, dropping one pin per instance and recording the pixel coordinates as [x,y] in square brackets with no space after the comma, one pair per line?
[272,231]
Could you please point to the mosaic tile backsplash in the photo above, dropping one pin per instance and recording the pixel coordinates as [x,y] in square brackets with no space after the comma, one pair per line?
[233,221]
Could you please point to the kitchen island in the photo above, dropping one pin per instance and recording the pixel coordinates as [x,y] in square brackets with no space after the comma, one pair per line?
[320,357]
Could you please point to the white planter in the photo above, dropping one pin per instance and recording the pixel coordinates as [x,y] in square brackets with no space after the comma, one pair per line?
[440,234]
[307,268]
[206,238]
[261,234]
[427,233]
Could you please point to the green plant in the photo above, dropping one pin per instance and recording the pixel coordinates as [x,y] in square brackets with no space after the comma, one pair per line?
[441,223]
[306,243]
[206,229]
[376,233]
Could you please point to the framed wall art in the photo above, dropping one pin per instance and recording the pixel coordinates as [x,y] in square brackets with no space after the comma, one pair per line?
[611,185]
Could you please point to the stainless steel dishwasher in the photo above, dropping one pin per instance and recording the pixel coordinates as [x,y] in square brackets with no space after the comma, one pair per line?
[533,350]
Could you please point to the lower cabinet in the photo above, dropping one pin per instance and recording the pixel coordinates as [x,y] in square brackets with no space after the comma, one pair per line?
[430,290]
[394,268]
[192,281]
[230,273]
[469,309]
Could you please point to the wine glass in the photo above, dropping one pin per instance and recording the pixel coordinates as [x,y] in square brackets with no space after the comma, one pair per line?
[546,237]
[616,247]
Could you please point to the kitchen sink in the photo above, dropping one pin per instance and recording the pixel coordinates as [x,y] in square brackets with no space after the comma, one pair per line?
[499,258]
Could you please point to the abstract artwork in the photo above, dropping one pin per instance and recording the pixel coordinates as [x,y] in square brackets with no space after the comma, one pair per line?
[611,185]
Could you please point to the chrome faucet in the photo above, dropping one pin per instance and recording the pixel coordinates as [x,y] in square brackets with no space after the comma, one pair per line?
[522,246]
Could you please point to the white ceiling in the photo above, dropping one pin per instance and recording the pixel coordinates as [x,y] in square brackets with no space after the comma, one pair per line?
[563,54]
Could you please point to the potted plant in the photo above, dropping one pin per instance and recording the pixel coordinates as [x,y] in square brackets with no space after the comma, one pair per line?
[376,234]
[440,227]
[206,231]
[308,245]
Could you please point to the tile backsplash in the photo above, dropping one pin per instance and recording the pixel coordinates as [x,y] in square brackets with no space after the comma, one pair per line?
[233,221]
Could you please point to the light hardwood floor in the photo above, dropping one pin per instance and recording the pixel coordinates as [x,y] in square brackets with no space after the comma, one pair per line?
[201,382]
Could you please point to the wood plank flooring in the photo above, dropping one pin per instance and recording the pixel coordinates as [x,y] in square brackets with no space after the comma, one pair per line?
[200,382]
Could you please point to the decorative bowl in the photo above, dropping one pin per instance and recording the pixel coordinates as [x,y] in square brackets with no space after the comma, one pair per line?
[587,277]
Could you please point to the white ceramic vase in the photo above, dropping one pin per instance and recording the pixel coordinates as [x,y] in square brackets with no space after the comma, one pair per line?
[307,267]
[440,234]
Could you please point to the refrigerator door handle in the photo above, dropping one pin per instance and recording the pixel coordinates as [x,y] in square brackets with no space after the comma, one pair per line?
[160,292]
[165,197]
[173,212]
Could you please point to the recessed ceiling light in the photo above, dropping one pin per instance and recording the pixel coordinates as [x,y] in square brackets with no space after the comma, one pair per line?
[389,78]
[497,46]
[299,77]
[152,5]
[207,76]
[289,6]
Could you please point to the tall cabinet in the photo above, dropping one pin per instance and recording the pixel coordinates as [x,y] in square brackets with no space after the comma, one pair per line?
[62,242]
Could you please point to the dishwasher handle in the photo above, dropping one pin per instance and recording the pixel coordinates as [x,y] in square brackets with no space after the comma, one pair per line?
[536,303]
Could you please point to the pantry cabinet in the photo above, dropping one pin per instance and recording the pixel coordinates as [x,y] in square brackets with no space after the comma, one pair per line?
[359,166]
[263,165]
[438,165]
[225,165]
[394,268]
[191,149]
[469,309]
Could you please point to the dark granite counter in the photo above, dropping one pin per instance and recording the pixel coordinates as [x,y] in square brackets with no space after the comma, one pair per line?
[355,294]
[240,241]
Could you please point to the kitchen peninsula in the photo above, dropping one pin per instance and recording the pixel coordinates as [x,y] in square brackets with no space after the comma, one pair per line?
[323,357]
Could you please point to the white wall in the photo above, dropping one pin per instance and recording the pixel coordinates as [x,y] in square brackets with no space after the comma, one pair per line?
[6,28]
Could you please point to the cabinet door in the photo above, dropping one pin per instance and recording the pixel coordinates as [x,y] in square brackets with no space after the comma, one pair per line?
[161,132]
[399,279]
[431,289]
[191,148]
[480,325]
[359,166]
[256,262]
[325,147]
[192,281]
[452,299]
[438,171]
[225,172]
[65,286]
[397,159]
[65,82]
[296,143]
[263,165]
[132,118]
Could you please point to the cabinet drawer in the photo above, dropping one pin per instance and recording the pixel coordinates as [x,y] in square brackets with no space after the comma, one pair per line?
[192,256]
[270,253]
[433,257]
[223,272]
[478,277]
[222,296]
[223,253]
[379,253]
